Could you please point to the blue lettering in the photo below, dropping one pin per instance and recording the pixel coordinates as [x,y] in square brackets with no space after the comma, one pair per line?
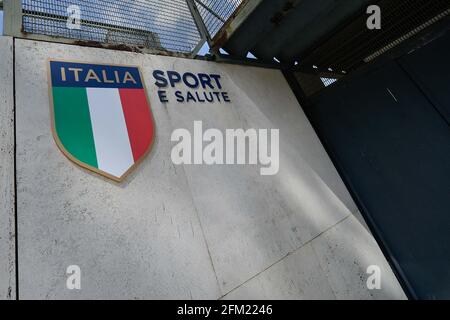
[161,81]
[188,75]
[190,97]
[174,77]
[162,96]
[216,77]
[179,96]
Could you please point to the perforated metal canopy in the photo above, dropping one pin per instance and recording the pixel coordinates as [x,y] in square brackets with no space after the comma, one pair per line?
[326,33]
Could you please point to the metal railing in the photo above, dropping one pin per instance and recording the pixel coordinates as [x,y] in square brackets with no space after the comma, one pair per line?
[176,26]
[215,13]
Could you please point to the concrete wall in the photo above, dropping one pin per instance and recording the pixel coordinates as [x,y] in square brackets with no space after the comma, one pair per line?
[187,231]
[7,233]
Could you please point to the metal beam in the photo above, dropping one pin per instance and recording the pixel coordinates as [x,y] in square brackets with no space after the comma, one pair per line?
[239,16]
[210,10]
[204,33]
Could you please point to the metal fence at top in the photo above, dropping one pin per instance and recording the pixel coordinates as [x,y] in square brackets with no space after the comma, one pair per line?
[153,24]
[216,12]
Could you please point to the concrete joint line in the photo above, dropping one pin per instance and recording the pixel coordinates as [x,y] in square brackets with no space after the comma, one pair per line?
[287,255]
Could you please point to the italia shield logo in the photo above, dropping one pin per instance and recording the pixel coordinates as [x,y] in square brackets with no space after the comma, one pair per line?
[101,118]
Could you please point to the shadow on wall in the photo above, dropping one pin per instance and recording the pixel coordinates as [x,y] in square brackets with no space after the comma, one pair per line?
[316,205]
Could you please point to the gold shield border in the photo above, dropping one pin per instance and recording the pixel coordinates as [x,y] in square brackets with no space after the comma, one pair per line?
[58,141]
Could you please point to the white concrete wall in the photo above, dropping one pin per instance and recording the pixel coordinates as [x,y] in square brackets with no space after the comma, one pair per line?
[7,232]
[187,231]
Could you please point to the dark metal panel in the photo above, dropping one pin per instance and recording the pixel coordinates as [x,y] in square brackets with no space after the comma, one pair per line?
[354,45]
[316,20]
[253,29]
[281,28]
[329,34]
[430,69]
[394,149]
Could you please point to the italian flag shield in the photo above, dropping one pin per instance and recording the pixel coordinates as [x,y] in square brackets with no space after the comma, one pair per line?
[101,118]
